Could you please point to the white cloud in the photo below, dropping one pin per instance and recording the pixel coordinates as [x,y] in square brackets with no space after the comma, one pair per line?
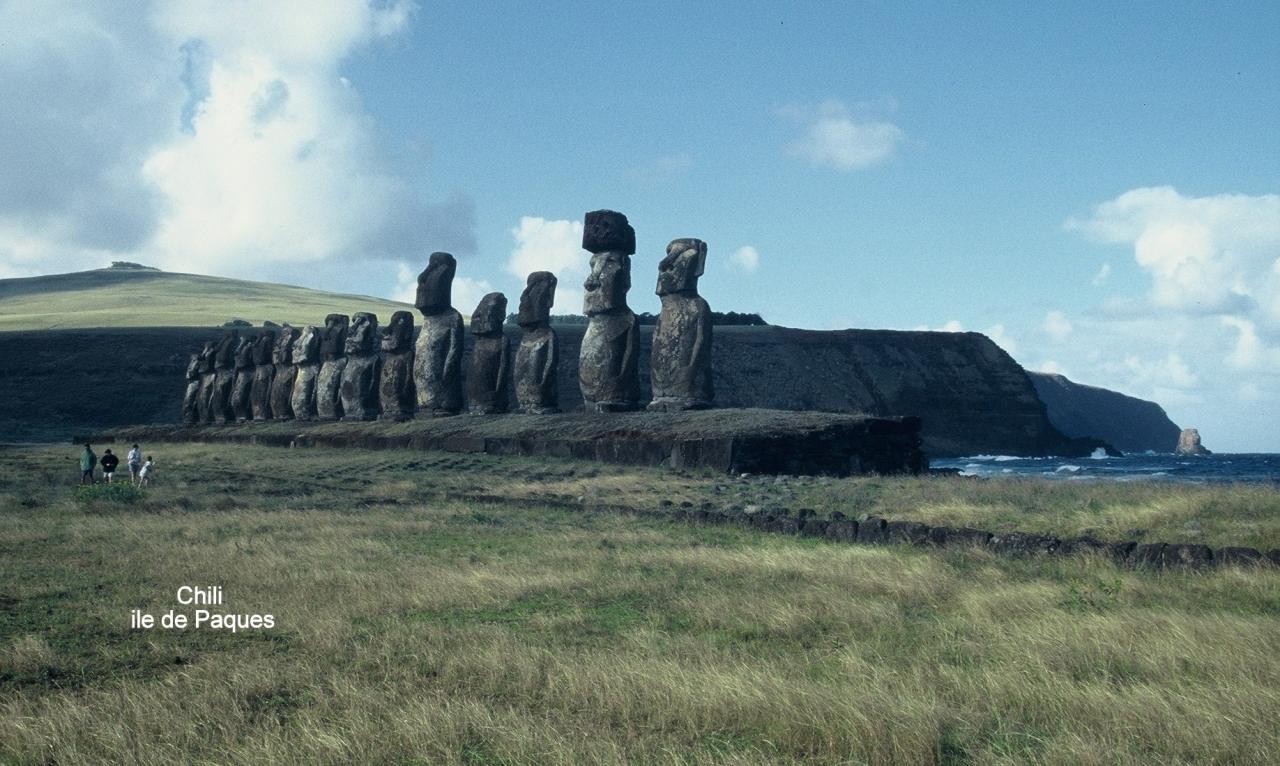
[1057,325]
[1052,367]
[548,245]
[833,136]
[745,259]
[951,326]
[204,136]
[466,293]
[1204,254]
[1104,273]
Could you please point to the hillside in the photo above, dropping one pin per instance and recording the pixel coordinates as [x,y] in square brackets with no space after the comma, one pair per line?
[137,297]
[1129,423]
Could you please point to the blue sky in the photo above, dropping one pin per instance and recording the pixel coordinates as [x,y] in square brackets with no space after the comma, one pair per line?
[1094,186]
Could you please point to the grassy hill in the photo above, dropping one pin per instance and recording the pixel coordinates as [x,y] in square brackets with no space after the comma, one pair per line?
[141,297]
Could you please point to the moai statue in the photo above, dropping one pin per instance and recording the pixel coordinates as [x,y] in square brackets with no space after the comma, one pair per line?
[205,396]
[281,396]
[680,362]
[437,362]
[488,379]
[191,397]
[333,357]
[396,392]
[224,377]
[609,359]
[363,371]
[242,388]
[264,372]
[306,363]
[538,359]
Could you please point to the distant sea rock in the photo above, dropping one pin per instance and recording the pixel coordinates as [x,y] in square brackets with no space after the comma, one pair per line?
[1189,443]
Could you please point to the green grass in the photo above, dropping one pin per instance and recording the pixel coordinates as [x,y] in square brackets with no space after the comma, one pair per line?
[128,298]
[414,628]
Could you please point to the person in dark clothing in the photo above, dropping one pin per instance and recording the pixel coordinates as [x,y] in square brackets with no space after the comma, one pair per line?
[108,463]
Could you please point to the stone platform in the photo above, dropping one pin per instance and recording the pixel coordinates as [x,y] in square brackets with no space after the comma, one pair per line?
[729,440]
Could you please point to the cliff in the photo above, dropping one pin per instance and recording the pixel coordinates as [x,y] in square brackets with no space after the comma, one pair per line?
[972,397]
[1128,423]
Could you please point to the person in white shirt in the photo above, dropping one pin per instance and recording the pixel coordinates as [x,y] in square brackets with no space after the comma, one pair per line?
[135,463]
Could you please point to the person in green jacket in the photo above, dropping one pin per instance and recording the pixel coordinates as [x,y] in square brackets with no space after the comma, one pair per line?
[87,461]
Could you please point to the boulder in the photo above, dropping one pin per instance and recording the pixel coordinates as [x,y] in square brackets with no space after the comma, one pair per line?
[1187,556]
[1238,556]
[1023,544]
[1147,555]
[1189,443]
[871,531]
[906,533]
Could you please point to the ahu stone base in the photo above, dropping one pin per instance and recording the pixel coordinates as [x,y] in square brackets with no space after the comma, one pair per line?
[729,440]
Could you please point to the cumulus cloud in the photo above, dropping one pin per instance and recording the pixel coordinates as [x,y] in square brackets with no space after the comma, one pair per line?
[555,246]
[834,136]
[210,137]
[1205,255]
[1057,325]
[951,326]
[1001,337]
[745,259]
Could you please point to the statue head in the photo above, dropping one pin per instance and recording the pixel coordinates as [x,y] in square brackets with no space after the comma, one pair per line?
[193,367]
[606,231]
[225,354]
[282,352]
[490,315]
[264,347]
[306,347]
[207,354]
[607,284]
[434,285]
[244,353]
[333,343]
[363,335]
[679,271]
[537,299]
[397,336]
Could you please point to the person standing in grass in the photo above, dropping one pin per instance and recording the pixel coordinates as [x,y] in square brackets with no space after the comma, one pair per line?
[135,464]
[148,472]
[109,463]
[87,461]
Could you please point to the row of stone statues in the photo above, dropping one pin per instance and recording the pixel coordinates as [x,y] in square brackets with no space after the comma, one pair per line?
[351,370]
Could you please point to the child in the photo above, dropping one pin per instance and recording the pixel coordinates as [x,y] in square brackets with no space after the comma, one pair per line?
[109,463]
[148,472]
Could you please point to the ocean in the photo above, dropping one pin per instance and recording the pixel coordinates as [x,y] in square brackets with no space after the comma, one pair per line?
[1227,467]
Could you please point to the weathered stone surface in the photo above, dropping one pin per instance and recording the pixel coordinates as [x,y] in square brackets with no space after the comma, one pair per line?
[437,363]
[306,364]
[1147,555]
[224,367]
[957,536]
[871,530]
[1273,556]
[191,396]
[362,374]
[1189,443]
[608,231]
[1023,544]
[609,357]
[489,376]
[1187,556]
[333,359]
[264,373]
[906,533]
[1238,556]
[286,373]
[680,358]
[812,527]
[1083,545]
[538,357]
[397,394]
[242,387]
[206,382]
[842,530]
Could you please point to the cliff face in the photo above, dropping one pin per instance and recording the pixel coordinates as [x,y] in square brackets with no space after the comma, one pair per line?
[972,397]
[1128,423]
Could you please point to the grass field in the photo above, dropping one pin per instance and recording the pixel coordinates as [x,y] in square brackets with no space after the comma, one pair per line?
[144,298]
[413,626]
